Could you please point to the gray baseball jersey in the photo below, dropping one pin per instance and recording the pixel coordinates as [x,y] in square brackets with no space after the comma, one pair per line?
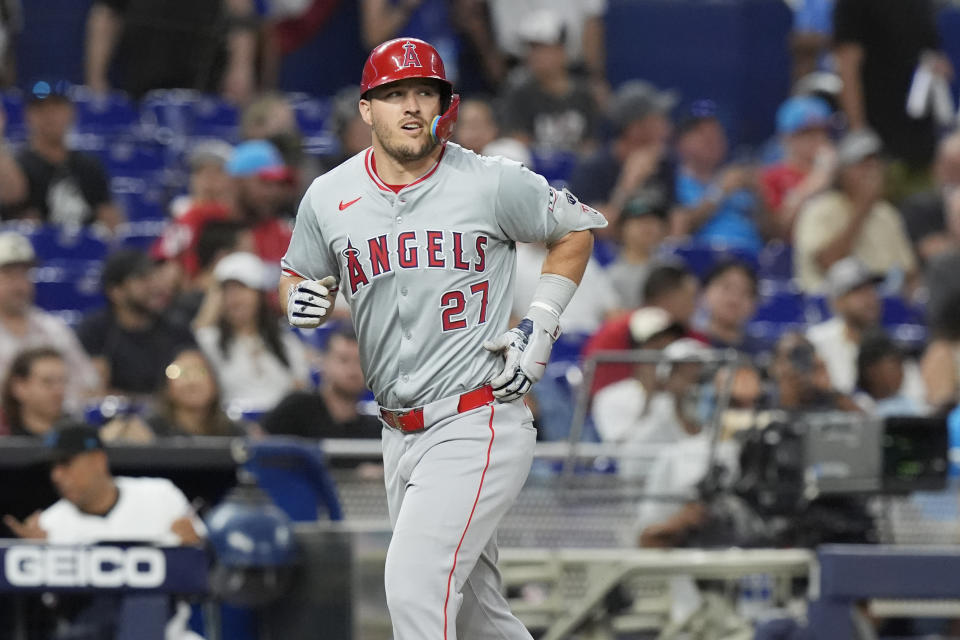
[428,271]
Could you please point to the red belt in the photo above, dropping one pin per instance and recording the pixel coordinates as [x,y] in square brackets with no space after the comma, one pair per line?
[411,421]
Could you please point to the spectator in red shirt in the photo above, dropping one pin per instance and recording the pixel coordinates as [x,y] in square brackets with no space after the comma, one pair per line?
[670,287]
[808,165]
[259,175]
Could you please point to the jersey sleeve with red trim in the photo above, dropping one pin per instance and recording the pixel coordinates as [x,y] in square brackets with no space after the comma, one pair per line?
[528,209]
[308,255]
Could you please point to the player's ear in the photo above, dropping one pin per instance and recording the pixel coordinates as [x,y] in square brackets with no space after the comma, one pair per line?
[364,107]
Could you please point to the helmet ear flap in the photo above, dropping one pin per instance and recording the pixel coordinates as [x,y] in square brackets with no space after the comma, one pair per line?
[441,129]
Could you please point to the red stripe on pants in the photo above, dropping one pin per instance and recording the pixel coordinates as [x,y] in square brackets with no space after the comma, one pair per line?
[446,599]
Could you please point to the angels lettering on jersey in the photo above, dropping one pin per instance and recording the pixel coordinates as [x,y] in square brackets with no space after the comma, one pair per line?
[366,260]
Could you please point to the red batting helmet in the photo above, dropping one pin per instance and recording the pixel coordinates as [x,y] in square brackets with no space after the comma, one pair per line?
[404,58]
[400,59]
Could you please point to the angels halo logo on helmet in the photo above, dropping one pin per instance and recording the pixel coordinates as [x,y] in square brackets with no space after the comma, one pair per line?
[403,58]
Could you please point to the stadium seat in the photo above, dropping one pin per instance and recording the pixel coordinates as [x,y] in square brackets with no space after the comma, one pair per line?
[107,114]
[137,199]
[295,476]
[818,309]
[211,117]
[62,243]
[776,261]
[898,311]
[312,114]
[702,258]
[137,159]
[781,307]
[555,166]
[141,233]
[15,129]
[68,285]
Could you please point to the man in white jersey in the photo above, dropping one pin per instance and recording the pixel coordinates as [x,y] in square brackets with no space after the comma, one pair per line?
[419,235]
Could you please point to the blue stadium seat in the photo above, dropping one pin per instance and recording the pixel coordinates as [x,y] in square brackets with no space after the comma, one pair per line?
[108,114]
[212,117]
[701,258]
[782,307]
[555,166]
[312,113]
[166,113]
[818,309]
[69,285]
[897,311]
[140,198]
[776,261]
[15,129]
[140,234]
[61,243]
[295,476]
[136,159]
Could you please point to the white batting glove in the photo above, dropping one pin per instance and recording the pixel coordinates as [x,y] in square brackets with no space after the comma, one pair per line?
[526,351]
[309,302]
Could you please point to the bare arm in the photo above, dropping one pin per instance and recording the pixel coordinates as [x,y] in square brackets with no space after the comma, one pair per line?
[13,184]
[595,48]
[569,255]
[849,58]
[381,21]
[104,26]
[939,372]
[842,245]
[286,282]
[240,78]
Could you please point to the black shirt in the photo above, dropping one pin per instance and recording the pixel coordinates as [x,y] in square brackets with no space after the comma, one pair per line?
[594,178]
[61,194]
[137,359]
[170,44]
[553,122]
[923,214]
[893,33]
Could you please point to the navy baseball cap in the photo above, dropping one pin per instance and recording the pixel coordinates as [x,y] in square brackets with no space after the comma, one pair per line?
[257,158]
[802,112]
[70,438]
[696,112]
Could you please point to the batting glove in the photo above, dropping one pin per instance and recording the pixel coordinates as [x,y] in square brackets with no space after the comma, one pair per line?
[310,301]
[526,350]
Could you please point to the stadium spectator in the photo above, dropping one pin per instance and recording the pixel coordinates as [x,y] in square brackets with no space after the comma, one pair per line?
[256,362]
[352,132]
[271,117]
[593,303]
[64,186]
[430,20]
[11,24]
[188,404]
[13,184]
[129,341]
[853,220]
[671,287]
[331,412]
[96,507]
[207,45]
[718,204]
[24,326]
[800,379]
[642,227]
[636,157]
[941,360]
[810,38]
[34,389]
[217,239]
[803,124]
[631,408]
[729,302]
[209,182]
[925,213]
[476,126]
[581,21]
[880,377]
[258,174]
[544,105]
[942,269]
[878,46]
[856,304]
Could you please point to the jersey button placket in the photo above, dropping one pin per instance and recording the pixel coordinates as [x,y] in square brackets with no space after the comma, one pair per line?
[406,312]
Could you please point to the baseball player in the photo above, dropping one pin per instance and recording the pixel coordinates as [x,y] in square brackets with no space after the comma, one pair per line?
[419,235]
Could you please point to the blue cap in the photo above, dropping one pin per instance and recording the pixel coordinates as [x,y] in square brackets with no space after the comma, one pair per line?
[802,112]
[49,90]
[257,158]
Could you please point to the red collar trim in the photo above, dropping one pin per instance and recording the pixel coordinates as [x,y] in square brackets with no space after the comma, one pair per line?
[370,163]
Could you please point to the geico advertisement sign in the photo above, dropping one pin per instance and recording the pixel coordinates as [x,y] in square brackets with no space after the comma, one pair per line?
[105,567]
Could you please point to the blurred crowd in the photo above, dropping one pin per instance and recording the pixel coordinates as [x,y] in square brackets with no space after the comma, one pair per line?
[825,257]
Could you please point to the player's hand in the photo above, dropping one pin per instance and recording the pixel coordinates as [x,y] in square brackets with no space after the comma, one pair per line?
[526,350]
[29,529]
[309,302]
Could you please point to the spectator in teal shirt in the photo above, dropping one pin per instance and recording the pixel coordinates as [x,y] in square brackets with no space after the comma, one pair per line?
[718,204]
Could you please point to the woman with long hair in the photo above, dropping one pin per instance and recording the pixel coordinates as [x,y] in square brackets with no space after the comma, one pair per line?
[256,362]
[33,392]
